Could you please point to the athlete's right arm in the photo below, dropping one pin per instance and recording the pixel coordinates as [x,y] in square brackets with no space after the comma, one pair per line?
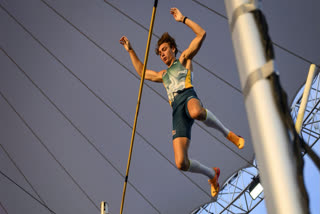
[138,65]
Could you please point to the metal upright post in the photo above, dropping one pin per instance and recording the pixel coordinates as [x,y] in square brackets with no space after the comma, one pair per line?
[269,136]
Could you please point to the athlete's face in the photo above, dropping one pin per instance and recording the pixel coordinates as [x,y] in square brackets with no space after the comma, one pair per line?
[166,53]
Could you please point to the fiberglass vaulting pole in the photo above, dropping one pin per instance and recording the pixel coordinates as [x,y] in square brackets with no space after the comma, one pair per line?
[138,103]
[270,137]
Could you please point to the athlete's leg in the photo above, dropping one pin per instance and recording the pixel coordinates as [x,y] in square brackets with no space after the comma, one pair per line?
[196,111]
[180,148]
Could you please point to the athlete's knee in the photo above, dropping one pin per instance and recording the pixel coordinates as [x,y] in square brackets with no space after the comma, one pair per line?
[197,113]
[182,164]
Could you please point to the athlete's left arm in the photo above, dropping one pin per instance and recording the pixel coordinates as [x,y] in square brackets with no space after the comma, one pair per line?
[196,43]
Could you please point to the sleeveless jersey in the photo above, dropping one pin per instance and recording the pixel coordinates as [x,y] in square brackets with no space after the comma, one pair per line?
[176,79]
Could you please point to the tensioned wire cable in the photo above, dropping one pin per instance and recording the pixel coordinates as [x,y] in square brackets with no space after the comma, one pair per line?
[47,149]
[117,114]
[12,181]
[103,50]
[3,208]
[23,175]
[275,44]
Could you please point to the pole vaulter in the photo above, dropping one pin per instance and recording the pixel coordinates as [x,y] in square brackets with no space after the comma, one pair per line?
[186,106]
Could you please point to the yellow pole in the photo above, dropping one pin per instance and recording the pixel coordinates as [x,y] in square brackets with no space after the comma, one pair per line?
[305,96]
[138,104]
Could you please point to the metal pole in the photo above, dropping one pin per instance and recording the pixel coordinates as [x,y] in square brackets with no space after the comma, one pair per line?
[305,97]
[138,103]
[268,132]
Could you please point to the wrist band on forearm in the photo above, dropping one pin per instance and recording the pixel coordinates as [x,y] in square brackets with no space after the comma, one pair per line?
[184,20]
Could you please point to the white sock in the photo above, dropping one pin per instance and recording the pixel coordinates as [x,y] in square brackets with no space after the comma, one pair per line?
[197,167]
[214,122]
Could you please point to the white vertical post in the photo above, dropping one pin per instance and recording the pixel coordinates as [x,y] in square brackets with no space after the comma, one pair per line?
[104,208]
[270,141]
[305,96]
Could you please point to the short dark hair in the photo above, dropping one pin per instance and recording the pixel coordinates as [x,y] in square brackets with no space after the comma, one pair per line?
[166,38]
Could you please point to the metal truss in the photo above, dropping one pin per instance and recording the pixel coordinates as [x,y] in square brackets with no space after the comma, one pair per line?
[234,196]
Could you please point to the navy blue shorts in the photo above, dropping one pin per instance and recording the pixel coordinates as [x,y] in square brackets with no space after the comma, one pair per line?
[181,120]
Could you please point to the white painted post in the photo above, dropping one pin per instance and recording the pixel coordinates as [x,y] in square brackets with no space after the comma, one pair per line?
[305,97]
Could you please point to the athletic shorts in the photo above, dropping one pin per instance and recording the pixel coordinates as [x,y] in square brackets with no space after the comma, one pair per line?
[181,120]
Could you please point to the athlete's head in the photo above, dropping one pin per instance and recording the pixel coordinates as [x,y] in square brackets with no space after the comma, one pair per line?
[166,48]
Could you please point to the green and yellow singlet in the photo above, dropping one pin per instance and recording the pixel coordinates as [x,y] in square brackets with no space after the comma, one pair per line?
[176,79]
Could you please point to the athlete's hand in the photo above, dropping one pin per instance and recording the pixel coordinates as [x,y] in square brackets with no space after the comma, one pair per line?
[126,43]
[177,15]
